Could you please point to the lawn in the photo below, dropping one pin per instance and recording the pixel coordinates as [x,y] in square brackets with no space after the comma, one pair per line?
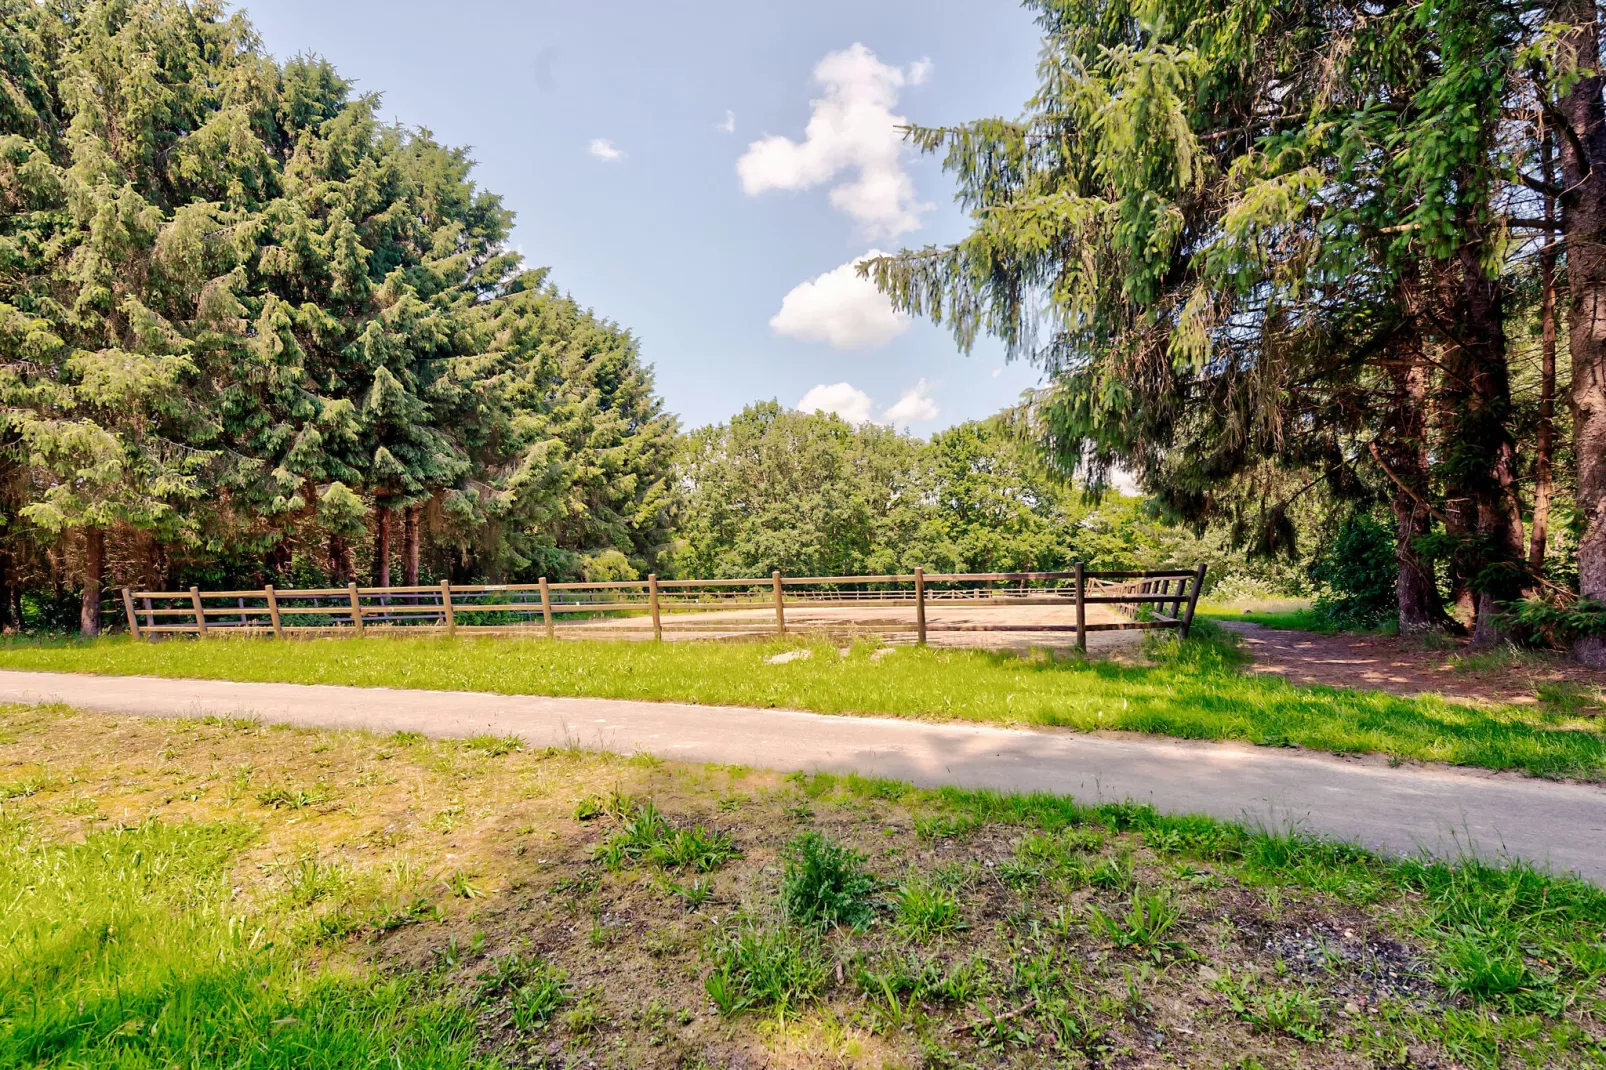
[1193,689]
[191,893]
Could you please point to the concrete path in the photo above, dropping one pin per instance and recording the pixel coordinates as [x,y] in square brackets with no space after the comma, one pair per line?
[1442,811]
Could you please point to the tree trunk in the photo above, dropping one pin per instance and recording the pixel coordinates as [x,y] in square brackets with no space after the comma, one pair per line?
[7,626]
[93,575]
[1545,436]
[381,543]
[1403,451]
[1480,455]
[340,566]
[410,546]
[1582,145]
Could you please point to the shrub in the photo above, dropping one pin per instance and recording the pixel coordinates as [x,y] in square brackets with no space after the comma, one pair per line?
[1357,573]
[825,883]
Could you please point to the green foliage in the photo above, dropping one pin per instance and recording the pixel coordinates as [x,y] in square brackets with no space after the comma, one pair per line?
[1357,572]
[257,321]
[808,494]
[824,884]
[779,969]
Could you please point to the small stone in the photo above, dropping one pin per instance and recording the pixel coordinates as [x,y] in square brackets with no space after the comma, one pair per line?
[1209,974]
[790,655]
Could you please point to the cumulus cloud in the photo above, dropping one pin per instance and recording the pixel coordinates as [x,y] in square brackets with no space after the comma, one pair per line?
[844,399]
[914,406]
[840,308]
[603,149]
[729,125]
[851,128]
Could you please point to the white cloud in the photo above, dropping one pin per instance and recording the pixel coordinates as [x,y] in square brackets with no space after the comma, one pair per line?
[844,399]
[729,125]
[997,372]
[840,308]
[603,149]
[915,406]
[852,127]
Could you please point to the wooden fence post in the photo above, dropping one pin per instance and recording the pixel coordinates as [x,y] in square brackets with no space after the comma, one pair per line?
[1176,603]
[1081,608]
[200,614]
[1193,599]
[356,607]
[546,607]
[446,607]
[273,611]
[652,604]
[133,621]
[780,603]
[920,606]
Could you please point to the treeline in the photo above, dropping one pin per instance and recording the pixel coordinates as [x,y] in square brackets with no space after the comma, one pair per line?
[811,495]
[249,333]
[1265,247]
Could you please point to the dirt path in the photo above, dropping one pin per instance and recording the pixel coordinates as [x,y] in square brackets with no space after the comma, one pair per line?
[1441,811]
[1403,666]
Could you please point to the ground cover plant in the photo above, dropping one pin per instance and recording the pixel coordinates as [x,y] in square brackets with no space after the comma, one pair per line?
[1192,689]
[450,905]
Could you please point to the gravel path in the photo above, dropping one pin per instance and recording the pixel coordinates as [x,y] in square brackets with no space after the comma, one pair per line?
[1446,812]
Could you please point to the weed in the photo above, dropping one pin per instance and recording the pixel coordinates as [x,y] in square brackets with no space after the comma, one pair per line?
[777,969]
[493,746]
[649,837]
[540,992]
[290,798]
[462,885]
[824,884]
[1113,872]
[925,910]
[1292,1011]
[697,848]
[694,893]
[1143,926]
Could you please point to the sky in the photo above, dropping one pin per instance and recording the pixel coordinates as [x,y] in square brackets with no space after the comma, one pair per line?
[706,174]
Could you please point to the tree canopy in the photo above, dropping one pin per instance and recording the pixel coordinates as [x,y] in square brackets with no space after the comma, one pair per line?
[243,323]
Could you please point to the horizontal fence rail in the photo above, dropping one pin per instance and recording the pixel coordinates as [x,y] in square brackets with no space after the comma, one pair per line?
[1160,598]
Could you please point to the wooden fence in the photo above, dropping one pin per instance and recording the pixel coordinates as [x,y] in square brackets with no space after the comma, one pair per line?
[1148,599]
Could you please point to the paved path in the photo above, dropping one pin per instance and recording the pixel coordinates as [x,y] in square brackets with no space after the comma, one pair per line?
[1443,811]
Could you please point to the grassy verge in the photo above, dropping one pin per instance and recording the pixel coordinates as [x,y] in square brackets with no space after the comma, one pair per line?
[211,894]
[1191,690]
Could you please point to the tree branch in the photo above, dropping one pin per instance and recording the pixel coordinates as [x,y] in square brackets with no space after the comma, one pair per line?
[1377,455]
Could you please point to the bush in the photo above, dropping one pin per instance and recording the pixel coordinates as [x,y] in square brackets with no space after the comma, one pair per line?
[1357,573]
[825,883]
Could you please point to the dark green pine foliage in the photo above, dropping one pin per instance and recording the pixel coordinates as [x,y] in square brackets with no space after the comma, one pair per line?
[241,321]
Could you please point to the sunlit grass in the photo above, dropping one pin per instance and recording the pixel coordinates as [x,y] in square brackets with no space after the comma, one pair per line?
[1192,690]
[126,950]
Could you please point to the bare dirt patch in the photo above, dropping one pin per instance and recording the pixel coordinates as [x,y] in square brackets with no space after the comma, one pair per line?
[1407,666]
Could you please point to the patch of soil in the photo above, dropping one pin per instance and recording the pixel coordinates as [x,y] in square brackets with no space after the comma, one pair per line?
[1401,665]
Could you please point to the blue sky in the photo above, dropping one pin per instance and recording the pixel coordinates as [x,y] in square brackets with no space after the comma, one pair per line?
[692,170]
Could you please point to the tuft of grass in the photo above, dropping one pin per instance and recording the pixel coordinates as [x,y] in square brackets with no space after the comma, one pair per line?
[824,884]
[283,796]
[775,968]
[1192,689]
[648,837]
[493,746]
[924,909]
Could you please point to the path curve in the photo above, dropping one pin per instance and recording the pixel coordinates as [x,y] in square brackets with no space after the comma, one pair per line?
[1442,811]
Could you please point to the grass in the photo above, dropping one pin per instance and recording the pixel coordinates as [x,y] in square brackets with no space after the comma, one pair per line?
[184,922]
[1191,690]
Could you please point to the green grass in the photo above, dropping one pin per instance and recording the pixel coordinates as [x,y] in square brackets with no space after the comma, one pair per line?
[989,929]
[1295,620]
[1191,690]
[126,950]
